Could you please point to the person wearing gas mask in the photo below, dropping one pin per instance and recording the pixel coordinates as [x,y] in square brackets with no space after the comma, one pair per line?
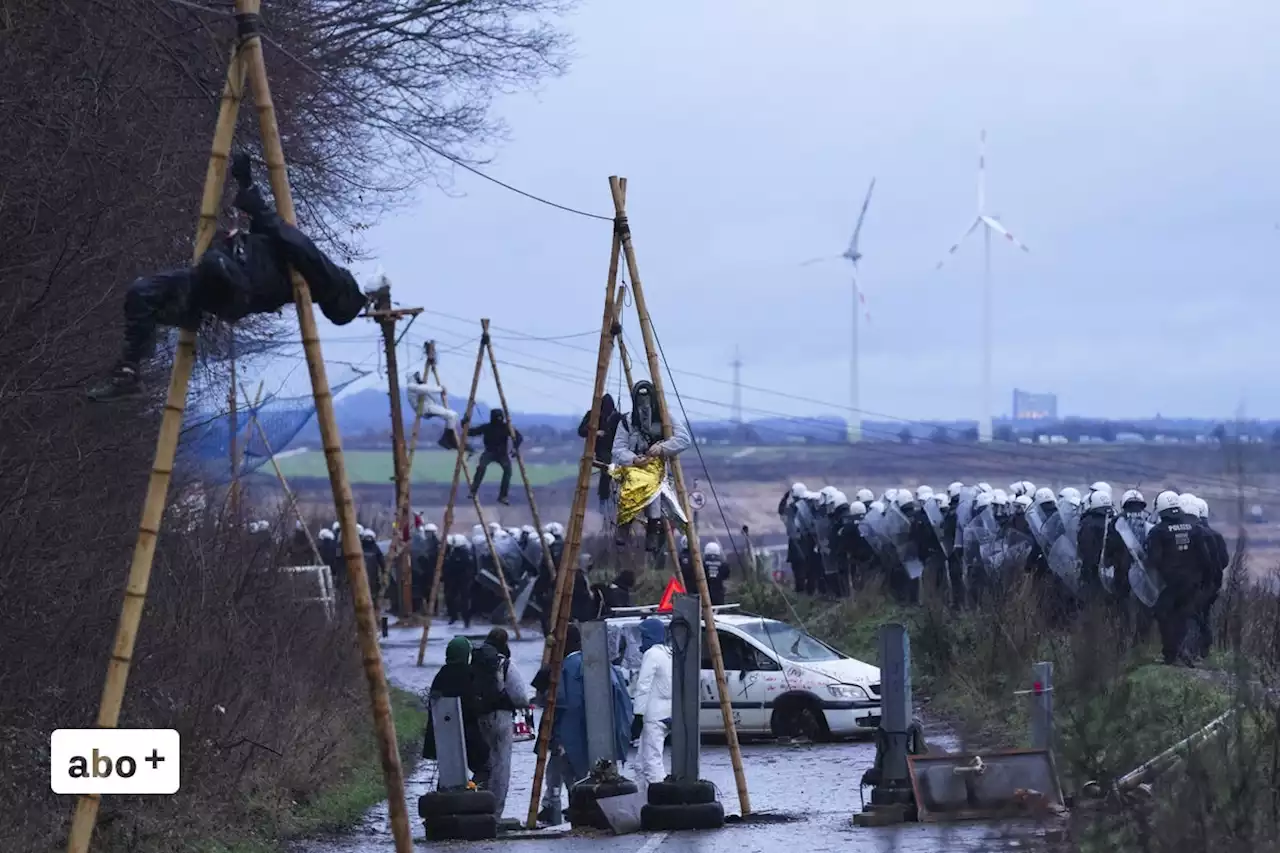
[639,440]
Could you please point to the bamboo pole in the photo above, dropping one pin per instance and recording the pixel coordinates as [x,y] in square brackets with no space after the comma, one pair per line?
[284,484]
[460,472]
[135,593]
[475,496]
[417,410]
[695,551]
[573,540]
[524,473]
[459,467]
[366,616]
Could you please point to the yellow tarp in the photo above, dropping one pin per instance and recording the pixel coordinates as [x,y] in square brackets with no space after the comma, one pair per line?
[637,487]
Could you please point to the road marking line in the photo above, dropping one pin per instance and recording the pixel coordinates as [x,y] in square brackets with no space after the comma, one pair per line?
[654,843]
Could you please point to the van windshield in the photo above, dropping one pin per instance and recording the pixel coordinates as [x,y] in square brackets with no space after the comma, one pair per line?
[788,642]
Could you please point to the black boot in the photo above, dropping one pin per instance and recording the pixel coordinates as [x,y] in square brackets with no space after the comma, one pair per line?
[123,383]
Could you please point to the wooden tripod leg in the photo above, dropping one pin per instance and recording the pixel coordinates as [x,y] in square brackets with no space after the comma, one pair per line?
[475,496]
[573,541]
[135,593]
[695,551]
[524,473]
[366,616]
[459,469]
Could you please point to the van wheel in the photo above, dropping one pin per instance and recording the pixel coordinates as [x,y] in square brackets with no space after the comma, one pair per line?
[800,717]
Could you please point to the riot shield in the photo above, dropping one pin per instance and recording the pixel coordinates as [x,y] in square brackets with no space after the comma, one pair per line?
[933,512]
[509,552]
[1145,582]
[897,530]
[822,538]
[872,527]
[1059,548]
[980,538]
[964,514]
[1036,520]
[1070,516]
[533,554]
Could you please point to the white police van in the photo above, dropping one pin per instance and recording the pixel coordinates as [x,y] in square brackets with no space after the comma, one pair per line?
[782,681]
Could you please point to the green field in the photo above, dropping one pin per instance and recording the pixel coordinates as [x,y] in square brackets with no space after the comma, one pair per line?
[365,467]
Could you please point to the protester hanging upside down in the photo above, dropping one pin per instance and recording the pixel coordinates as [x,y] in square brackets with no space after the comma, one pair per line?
[240,274]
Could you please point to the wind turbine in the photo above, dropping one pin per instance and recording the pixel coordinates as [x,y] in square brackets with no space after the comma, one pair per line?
[990,225]
[853,255]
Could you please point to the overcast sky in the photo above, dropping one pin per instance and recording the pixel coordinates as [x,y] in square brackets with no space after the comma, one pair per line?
[1132,146]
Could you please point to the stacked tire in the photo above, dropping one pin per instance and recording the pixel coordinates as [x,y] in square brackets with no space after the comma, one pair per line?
[676,805]
[584,811]
[459,815]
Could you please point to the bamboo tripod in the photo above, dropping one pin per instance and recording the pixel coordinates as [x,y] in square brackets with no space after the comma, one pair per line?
[289,496]
[247,61]
[609,328]
[460,472]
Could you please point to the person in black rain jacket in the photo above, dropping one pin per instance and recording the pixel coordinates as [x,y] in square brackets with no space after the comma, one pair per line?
[498,450]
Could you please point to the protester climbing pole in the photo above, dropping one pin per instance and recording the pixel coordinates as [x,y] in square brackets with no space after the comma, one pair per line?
[511,431]
[135,593]
[460,472]
[695,551]
[553,653]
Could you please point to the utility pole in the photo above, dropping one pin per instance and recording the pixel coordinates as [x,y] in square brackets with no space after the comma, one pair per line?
[737,387]
[387,318]
[233,429]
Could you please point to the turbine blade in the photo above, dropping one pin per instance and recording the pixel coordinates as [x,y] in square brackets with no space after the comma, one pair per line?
[857,229]
[995,226]
[956,246]
[821,260]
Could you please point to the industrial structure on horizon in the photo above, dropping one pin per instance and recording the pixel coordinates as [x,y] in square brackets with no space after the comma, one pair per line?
[1030,406]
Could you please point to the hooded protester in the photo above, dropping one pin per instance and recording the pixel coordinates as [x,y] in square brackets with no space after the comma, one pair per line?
[455,679]
[583,605]
[640,439]
[652,719]
[242,273]
[498,449]
[492,662]
[606,432]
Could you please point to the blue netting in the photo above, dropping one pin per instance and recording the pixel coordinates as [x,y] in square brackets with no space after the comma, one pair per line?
[284,415]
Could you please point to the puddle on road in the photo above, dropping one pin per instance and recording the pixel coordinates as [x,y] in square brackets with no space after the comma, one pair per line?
[813,787]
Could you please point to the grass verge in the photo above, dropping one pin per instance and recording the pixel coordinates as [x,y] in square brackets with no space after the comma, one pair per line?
[340,804]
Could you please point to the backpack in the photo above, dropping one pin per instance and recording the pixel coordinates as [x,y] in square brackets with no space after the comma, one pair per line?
[487,680]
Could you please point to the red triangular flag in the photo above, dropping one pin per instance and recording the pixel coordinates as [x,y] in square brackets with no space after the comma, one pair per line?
[674,588]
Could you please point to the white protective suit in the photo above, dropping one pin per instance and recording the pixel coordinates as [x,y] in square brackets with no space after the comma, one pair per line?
[430,397]
[653,702]
[496,728]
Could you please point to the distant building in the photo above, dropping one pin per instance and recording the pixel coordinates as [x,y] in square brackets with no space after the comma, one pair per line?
[1029,406]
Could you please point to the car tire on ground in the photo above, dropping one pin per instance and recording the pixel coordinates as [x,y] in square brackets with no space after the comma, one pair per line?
[441,803]
[462,827]
[800,716]
[583,810]
[673,818]
[695,793]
